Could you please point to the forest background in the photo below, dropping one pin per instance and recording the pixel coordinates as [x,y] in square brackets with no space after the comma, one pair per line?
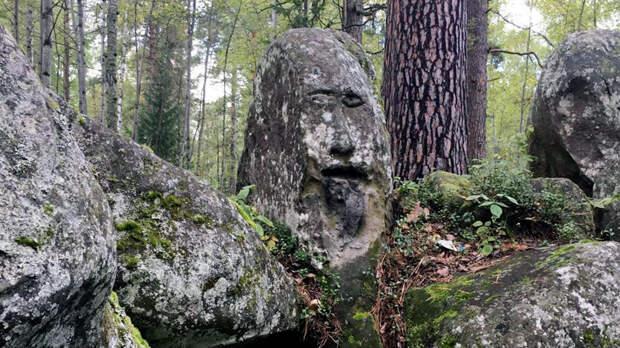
[180,75]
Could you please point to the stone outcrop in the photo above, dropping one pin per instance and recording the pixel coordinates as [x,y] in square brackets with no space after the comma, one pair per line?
[192,272]
[576,118]
[553,297]
[57,251]
[316,146]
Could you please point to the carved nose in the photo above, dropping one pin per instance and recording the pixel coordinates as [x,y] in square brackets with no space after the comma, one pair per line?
[343,145]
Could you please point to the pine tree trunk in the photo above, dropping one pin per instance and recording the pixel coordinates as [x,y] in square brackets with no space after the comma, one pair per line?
[29,34]
[67,39]
[16,21]
[78,32]
[185,153]
[477,47]
[424,86]
[110,66]
[354,18]
[45,71]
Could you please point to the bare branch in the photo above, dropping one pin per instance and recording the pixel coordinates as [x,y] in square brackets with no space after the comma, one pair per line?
[537,33]
[529,53]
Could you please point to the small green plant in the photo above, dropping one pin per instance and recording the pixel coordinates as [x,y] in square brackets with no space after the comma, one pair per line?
[249,213]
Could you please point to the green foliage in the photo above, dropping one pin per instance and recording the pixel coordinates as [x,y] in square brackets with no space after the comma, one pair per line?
[159,118]
[28,242]
[249,213]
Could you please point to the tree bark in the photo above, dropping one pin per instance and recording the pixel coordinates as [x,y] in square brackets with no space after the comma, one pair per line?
[16,21]
[110,66]
[78,30]
[233,125]
[103,47]
[204,90]
[354,18]
[45,72]
[477,48]
[185,152]
[67,53]
[121,82]
[424,86]
[29,34]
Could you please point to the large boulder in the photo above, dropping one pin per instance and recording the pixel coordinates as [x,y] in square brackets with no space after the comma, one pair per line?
[57,251]
[192,273]
[316,146]
[576,117]
[553,297]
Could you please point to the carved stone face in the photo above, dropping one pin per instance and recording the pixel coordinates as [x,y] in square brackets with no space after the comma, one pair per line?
[316,144]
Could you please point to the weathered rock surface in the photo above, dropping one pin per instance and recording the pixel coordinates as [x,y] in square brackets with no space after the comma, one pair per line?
[579,213]
[192,272]
[552,297]
[118,330]
[57,251]
[576,117]
[316,146]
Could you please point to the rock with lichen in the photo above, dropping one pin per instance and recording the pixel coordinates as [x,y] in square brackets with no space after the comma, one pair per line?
[118,330]
[192,273]
[316,145]
[57,251]
[576,118]
[563,296]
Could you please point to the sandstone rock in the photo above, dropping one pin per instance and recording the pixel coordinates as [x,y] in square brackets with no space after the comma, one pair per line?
[57,251]
[579,214]
[192,272]
[576,117]
[118,330]
[316,146]
[552,297]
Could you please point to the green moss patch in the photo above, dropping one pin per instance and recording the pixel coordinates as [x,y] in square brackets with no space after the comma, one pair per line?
[28,242]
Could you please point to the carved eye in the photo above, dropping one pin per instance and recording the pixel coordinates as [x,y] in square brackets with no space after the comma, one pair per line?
[352,100]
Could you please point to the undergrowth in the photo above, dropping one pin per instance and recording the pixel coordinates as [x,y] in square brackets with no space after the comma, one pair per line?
[437,235]
[318,288]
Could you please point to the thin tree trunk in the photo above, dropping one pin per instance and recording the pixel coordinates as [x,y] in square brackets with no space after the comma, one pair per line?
[232,32]
[103,35]
[56,67]
[233,127]
[67,39]
[424,86]
[134,128]
[78,30]
[274,15]
[522,123]
[204,89]
[110,66]
[45,71]
[121,82]
[185,153]
[477,47]
[583,5]
[16,21]
[29,34]
[354,18]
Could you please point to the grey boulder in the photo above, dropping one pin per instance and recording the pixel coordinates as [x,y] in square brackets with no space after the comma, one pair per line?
[57,251]
[192,273]
[553,297]
[576,118]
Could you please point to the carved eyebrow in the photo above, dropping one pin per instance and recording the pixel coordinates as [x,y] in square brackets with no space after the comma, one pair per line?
[352,99]
[322,91]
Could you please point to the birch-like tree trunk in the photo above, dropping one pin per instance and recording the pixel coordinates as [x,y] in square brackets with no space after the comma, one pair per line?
[204,90]
[29,33]
[67,53]
[78,32]
[233,127]
[16,21]
[477,47]
[185,151]
[103,48]
[354,18]
[45,72]
[424,86]
[121,82]
[110,67]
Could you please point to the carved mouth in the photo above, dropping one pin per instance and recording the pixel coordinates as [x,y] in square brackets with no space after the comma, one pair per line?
[345,171]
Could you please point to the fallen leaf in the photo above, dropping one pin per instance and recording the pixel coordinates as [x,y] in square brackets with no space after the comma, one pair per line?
[314,304]
[444,272]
